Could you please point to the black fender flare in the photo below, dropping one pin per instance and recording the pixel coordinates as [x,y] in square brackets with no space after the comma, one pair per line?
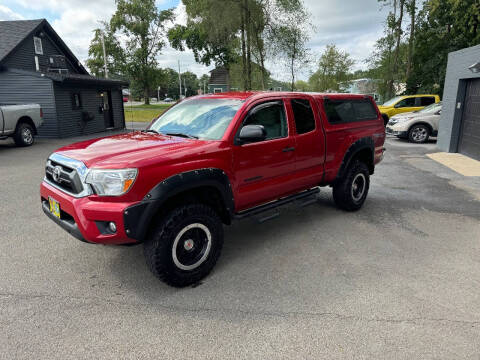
[137,218]
[354,149]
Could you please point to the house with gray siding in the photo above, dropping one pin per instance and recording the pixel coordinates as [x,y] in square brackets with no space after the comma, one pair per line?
[219,81]
[36,66]
[459,129]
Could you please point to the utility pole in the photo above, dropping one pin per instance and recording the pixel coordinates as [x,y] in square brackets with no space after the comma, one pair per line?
[204,87]
[184,87]
[104,54]
[179,80]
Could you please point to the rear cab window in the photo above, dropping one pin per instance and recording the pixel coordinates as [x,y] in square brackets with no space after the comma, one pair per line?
[303,115]
[344,111]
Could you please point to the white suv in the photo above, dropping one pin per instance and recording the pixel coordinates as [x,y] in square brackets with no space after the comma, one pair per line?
[416,126]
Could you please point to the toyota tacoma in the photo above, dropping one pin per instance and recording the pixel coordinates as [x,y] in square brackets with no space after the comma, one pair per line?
[207,161]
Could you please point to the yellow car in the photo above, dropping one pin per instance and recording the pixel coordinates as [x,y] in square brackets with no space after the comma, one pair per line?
[406,103]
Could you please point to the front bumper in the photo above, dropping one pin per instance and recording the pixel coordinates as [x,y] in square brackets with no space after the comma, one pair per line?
[84,218]
[391,131]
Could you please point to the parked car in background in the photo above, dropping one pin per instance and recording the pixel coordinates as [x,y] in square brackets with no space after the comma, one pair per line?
[406,103]
[207,161]
[168,100]
[125,99]
[20,122]
[416,126]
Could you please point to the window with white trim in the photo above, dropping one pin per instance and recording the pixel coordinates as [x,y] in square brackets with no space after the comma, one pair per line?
[37,42]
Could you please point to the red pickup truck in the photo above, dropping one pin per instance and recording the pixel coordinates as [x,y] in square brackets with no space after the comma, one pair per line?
[207,161]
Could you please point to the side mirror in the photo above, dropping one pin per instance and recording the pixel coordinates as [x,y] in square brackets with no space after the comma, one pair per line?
[439,112]
[252,133]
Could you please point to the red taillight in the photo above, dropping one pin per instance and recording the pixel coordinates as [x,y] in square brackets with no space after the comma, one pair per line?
[41,113]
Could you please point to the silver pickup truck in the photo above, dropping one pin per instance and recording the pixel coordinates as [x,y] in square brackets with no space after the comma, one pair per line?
[20,122]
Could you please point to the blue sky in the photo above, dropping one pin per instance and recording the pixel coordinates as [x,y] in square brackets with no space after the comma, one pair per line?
[51,14]
[353,25]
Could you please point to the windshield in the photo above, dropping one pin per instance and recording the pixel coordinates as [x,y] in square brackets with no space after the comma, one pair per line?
[431,109]
[199,118]
[392,101]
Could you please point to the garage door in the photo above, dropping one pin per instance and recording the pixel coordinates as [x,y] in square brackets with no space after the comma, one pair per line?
[469,143]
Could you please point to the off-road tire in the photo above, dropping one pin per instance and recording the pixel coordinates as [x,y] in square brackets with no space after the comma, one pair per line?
[419,134]
[158,247]
[343,195]
[24,135]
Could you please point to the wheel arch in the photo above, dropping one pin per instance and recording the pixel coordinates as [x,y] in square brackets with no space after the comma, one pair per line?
[207,186]
[364,150]
[27,120]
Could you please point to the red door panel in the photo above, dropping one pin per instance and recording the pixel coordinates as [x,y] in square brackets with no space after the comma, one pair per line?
[265,170]
[310,142]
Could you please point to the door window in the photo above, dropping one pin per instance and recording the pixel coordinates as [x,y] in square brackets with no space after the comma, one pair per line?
[304,118]
[106,104]
[272,117]
[428,100]
[408,102]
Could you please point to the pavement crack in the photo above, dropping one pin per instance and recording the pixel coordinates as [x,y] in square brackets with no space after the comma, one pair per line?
[286,314]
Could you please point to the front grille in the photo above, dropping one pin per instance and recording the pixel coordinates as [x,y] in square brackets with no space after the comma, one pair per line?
[65,175]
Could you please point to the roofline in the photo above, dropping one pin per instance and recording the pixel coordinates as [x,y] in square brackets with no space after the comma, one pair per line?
[45,23]
[66,48]
[24,39]
[120,83]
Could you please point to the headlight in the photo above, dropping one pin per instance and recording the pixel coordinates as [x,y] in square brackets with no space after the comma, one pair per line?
[111,182]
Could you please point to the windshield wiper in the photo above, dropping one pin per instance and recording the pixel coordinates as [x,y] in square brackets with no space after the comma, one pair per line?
[182,135]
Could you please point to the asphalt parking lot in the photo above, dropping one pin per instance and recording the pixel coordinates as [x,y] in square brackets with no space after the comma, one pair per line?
[399,279]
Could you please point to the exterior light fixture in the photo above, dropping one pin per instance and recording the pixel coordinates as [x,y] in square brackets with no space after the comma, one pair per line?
[475,68]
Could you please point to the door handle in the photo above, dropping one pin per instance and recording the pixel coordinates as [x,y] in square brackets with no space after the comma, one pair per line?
[288,149]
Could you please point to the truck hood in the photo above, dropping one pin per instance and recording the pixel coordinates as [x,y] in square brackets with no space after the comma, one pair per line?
[131,149]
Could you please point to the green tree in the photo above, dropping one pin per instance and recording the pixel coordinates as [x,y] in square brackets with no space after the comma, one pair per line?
[291,47]
[168,83]
[444,26]
[232,32]
[115,56]
[288,35]
[303,86]
[438,28]
[143,27]
[259,76]
[211,31]
[203,82]
[190,84]
[334,68]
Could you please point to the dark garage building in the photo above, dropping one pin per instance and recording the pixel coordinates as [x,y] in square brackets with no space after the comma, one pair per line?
[459,129]
[37,67]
